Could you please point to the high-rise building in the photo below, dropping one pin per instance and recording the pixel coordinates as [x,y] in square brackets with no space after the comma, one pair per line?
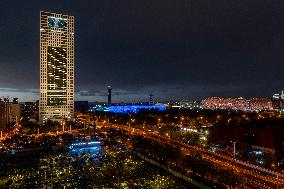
[30,109]
[15,109]
[4,113]
[56,67]
[109,94]
[9,111]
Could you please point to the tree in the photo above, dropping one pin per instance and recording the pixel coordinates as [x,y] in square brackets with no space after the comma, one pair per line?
[51,126]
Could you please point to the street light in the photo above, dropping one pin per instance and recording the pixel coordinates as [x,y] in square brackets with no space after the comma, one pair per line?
[277,174]
[63,124]
[235,149]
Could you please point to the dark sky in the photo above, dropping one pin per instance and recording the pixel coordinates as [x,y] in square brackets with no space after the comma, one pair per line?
[175,49]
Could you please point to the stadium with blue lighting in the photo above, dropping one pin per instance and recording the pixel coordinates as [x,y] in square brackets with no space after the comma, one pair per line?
[123,109]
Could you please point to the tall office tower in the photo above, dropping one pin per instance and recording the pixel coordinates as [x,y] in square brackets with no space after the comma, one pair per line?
[56,67]
[109,94]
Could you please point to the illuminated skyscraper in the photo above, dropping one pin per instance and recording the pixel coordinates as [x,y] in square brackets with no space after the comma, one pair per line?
[56,67]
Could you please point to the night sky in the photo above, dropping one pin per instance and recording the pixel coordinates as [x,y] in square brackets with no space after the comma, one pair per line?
[175,49]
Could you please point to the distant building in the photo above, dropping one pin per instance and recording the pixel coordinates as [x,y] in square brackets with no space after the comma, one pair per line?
[4,113]
[253,104]
[151,101]
[278,101]
[56,67]
[186,104]
[15,110]
[109,94]
[126,108]
[10,111]
[30,109]
[81,106]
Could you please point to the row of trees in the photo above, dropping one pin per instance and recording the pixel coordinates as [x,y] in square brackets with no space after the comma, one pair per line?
[25,141]
[29,127]
[195,117]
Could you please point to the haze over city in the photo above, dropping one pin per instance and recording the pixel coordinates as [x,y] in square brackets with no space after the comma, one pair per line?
[175,50]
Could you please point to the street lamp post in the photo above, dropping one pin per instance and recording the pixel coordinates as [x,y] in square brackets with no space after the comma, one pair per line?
[234,149]
[63,124]
[84,129]
[277,180]
[277,175]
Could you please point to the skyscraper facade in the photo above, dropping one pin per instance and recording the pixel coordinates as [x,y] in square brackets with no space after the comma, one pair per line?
[56,67]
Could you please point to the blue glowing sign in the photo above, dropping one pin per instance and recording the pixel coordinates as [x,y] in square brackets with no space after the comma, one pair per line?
[93,148]
[54,22]
[85,144]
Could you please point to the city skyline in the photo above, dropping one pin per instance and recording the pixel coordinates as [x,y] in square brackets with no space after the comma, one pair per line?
[185,50]
[142,94]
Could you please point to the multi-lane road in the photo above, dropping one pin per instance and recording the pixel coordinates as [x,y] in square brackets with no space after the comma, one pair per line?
[256,177]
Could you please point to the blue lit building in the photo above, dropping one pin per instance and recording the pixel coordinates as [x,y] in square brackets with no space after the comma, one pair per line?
[127,108]
[135,108]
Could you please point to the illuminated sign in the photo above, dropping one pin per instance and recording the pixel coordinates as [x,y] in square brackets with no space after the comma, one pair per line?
[54,22]
[85,144]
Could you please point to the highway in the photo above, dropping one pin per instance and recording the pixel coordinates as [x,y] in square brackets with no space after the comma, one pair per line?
[256,177]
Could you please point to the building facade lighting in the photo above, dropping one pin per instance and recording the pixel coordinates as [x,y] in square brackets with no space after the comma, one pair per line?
[56,67]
